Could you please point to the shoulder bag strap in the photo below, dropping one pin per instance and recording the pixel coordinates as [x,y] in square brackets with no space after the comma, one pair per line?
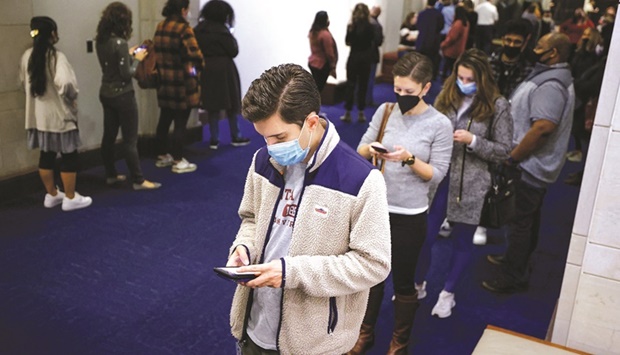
[386,115]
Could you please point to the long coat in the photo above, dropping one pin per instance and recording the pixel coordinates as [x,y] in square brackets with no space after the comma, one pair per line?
[179,62]
[465,200]
[219,82]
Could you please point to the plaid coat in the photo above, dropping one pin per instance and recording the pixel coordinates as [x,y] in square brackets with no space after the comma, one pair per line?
[177,53]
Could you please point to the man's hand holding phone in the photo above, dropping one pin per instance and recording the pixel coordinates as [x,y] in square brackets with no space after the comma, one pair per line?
[267,275]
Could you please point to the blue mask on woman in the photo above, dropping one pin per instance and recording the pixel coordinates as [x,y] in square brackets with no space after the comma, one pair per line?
[466,89]
[289,153]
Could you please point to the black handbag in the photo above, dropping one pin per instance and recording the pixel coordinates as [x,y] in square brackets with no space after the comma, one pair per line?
[500,202]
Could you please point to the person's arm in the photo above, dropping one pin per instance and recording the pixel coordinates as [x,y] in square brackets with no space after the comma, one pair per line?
[497,148]
[65,82]
[537,135]
[327,42]
[371,133]
[126,64]
[229,42]
[453,35]
[547,103]
[191,51]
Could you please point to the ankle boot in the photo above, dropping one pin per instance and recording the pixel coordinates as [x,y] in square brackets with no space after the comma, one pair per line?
[367,332]
[405,307]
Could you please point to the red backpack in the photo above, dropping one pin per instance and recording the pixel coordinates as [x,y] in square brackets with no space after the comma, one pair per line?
[146,74]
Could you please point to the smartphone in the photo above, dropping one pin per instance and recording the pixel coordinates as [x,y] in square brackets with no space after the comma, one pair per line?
[139,49]
[230,273]
[379,149]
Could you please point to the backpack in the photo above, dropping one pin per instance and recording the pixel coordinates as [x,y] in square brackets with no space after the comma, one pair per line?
[146,73]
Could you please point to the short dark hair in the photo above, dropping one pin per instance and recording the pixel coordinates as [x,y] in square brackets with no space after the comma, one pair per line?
[218,11]
[431,2]
[286,89]
[415,66]
[520,27]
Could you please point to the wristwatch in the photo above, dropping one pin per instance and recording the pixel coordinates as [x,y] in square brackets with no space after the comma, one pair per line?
[409,161]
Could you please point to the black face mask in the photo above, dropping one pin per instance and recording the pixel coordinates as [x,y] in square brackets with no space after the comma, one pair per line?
[539,56]
[407,102]
[511,52]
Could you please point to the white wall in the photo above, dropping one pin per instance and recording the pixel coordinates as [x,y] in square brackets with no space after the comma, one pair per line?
[272,32]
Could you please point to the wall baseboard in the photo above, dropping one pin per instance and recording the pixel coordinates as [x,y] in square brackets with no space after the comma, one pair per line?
[27,183]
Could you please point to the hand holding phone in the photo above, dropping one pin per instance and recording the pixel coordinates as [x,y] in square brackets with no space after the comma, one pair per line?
[231,273]
[379,148]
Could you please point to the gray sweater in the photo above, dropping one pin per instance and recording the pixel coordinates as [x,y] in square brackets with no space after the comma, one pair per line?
[428,136]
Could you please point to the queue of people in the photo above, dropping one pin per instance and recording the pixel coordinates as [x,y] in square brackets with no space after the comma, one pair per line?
[321,227]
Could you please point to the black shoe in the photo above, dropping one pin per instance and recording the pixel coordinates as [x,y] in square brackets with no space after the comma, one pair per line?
[496,259]
[501,286]
[213,145]
[240,142]
[346,117]
[574,179]
[361,117]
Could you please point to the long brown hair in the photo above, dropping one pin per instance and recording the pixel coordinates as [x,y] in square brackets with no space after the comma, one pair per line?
[115,20]
[483,106]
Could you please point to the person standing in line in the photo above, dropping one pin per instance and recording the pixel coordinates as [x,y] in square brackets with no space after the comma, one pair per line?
[323,51]
[51,113]
[360,37]
[219,81]
[120,110]
[418,139]
[487,17]
[312,280]
[483,131]
[376,53]
[574,27]
[179,63]
[542,107]
[454,45]
[510,63]
[472,19]
[430,24]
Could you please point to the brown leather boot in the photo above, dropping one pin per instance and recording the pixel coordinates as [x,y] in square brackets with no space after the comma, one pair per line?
[367,332]
[405,307]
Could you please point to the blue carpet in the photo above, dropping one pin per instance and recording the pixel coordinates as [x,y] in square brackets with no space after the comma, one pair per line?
[132,274]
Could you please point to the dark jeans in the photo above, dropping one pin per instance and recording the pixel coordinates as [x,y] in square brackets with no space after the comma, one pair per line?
[166,117]
[121,112]
[358,72]
[320,76]
[214,125]
[523,236]
[408,233]
[433,55]
[448,64]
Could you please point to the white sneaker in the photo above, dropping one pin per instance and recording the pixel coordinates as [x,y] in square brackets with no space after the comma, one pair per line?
[421,290]
[574,155]
[164,161]
[51,201]
[183,167]
[78,201]
[444,305]
[480,236]
[446,229]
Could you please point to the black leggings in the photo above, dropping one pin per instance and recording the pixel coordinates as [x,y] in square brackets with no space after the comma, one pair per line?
[69,164]
[408,234]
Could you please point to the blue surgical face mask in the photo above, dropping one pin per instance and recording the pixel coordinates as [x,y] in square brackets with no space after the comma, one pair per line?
[289,153]
[466,89]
